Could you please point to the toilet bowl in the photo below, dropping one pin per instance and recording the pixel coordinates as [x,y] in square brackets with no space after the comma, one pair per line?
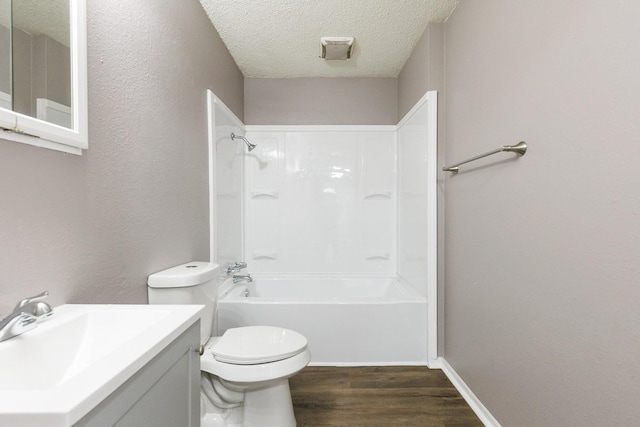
[258,361]
[244,372]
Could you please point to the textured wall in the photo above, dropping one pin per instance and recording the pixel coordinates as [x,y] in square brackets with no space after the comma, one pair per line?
[91,228]
[321,101]
[423,71]
[542,252]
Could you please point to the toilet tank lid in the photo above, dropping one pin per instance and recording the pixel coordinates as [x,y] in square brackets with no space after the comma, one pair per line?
[181,276]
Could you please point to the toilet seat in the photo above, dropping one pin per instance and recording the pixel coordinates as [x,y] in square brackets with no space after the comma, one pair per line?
[288,357]
[254,374]
[252,345]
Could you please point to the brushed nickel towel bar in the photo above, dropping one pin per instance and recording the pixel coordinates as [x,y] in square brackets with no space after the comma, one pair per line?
[520,148]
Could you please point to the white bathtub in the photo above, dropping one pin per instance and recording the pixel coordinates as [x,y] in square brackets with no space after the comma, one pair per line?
[348,321]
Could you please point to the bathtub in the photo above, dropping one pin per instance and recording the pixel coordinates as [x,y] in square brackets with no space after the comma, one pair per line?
[347,321]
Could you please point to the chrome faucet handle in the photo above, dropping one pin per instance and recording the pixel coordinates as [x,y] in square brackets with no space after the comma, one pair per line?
[26,301]
[234,267]
[40,309]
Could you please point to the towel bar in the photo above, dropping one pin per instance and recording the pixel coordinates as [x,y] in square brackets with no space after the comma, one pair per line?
[520,148]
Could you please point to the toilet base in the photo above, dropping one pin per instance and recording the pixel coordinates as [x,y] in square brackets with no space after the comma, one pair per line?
[215,420]
[269,406]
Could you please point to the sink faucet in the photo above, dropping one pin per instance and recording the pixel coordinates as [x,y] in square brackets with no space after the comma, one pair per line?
[234,267]
[24,316]
[34,306]
[16,324]
[237,278]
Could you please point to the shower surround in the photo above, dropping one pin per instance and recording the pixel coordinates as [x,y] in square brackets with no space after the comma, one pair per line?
[327,205]
[321,200]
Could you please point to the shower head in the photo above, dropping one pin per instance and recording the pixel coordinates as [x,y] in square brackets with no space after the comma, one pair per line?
[250,146]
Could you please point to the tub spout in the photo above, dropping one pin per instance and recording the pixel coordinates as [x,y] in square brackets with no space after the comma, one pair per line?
[237,278]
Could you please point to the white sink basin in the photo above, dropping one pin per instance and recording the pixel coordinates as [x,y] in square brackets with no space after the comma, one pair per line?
[55,374]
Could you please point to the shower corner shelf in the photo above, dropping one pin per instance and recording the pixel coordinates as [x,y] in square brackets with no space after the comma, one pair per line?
[377,256]
[268,194]
[264,255]
[378,195]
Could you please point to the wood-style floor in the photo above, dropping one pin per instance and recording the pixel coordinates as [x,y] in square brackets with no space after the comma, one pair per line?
[411,396]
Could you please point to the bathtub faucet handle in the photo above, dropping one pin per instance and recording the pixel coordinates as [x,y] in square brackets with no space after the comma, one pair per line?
[235,267]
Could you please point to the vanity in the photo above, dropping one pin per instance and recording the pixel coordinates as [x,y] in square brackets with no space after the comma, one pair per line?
[104,365]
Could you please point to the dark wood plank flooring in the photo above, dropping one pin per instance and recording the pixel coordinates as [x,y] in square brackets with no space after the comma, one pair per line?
[411,396]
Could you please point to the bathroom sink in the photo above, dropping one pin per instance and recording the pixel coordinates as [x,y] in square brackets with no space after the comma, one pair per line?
[56,373]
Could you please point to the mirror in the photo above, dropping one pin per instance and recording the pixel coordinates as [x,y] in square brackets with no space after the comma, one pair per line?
[43,71]
[5,55]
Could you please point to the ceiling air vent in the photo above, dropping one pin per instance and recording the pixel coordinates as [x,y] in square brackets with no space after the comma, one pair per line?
[336,48]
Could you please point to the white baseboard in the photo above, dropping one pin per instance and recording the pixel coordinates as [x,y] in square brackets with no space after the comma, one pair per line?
[435,363]
[357,364]
[481,411]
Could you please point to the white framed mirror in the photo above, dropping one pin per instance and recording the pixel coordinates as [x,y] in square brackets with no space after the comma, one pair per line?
[43,73]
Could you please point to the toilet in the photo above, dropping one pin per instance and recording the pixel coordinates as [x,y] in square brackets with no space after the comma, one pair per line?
[245,372]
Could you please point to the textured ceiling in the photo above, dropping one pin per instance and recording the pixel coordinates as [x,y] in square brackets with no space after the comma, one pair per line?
[281,38]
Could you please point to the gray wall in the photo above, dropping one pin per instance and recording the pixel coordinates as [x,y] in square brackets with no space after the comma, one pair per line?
[321,101]
[542,267]
[91,228]
[423,71]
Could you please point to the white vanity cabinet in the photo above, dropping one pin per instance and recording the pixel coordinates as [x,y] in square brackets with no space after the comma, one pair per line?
[164,393]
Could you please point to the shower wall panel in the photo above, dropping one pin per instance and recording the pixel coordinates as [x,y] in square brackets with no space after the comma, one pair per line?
[321,200]
[414,198]
[226,209]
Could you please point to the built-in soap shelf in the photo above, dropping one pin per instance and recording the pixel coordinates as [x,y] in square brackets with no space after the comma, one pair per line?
[265,255]
[376,256]
[378,195]
[265,194]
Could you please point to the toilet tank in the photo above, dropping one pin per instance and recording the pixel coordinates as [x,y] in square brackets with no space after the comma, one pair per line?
[190,283]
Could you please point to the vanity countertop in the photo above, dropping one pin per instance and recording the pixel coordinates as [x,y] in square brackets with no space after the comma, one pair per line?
[56,373]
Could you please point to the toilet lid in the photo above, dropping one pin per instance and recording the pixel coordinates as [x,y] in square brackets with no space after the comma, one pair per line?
[252,345]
